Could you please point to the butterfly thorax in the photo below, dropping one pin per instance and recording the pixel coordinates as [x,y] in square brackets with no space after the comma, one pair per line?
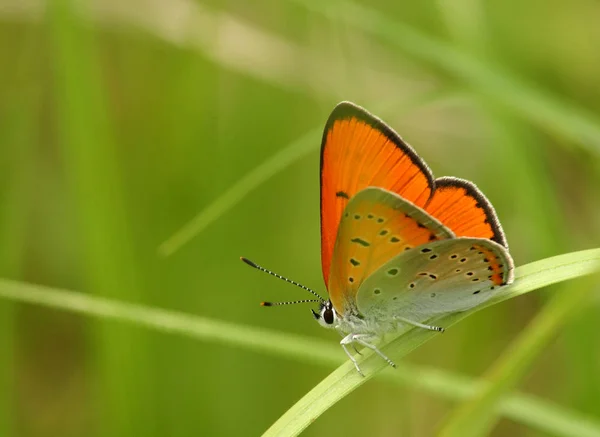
[352,321]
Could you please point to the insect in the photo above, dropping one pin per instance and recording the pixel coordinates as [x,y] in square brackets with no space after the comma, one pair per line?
[398,247]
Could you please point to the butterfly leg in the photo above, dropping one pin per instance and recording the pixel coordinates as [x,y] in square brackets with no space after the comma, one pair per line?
[343,335]
[420,325]
[363,339]
[351,357]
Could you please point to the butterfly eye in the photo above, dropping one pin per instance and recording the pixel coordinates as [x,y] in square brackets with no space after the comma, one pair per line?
[328,316]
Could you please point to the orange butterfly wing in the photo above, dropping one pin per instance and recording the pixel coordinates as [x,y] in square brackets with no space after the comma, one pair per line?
[359,150]
[460,205]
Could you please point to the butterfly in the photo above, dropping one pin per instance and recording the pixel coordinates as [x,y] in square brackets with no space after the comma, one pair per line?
[398,247]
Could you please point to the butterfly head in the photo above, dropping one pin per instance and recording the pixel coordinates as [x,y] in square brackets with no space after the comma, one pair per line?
[326,316]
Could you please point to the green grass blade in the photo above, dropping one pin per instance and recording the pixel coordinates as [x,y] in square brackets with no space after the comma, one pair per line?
[525,99]
[121,385]
[345,379]
[524,409]
[197,327]
[548,418]
[477,416]
[232,196]
[17,132]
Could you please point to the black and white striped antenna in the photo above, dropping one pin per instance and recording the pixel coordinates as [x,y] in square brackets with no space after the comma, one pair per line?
[283,278]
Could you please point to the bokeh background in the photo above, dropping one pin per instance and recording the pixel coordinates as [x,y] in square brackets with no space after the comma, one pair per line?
[122,121]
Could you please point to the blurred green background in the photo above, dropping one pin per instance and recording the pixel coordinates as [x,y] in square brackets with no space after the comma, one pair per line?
[121,121]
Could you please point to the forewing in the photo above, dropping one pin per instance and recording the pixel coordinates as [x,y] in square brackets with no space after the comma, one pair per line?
[359,150]
[436,278]
[375,227]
